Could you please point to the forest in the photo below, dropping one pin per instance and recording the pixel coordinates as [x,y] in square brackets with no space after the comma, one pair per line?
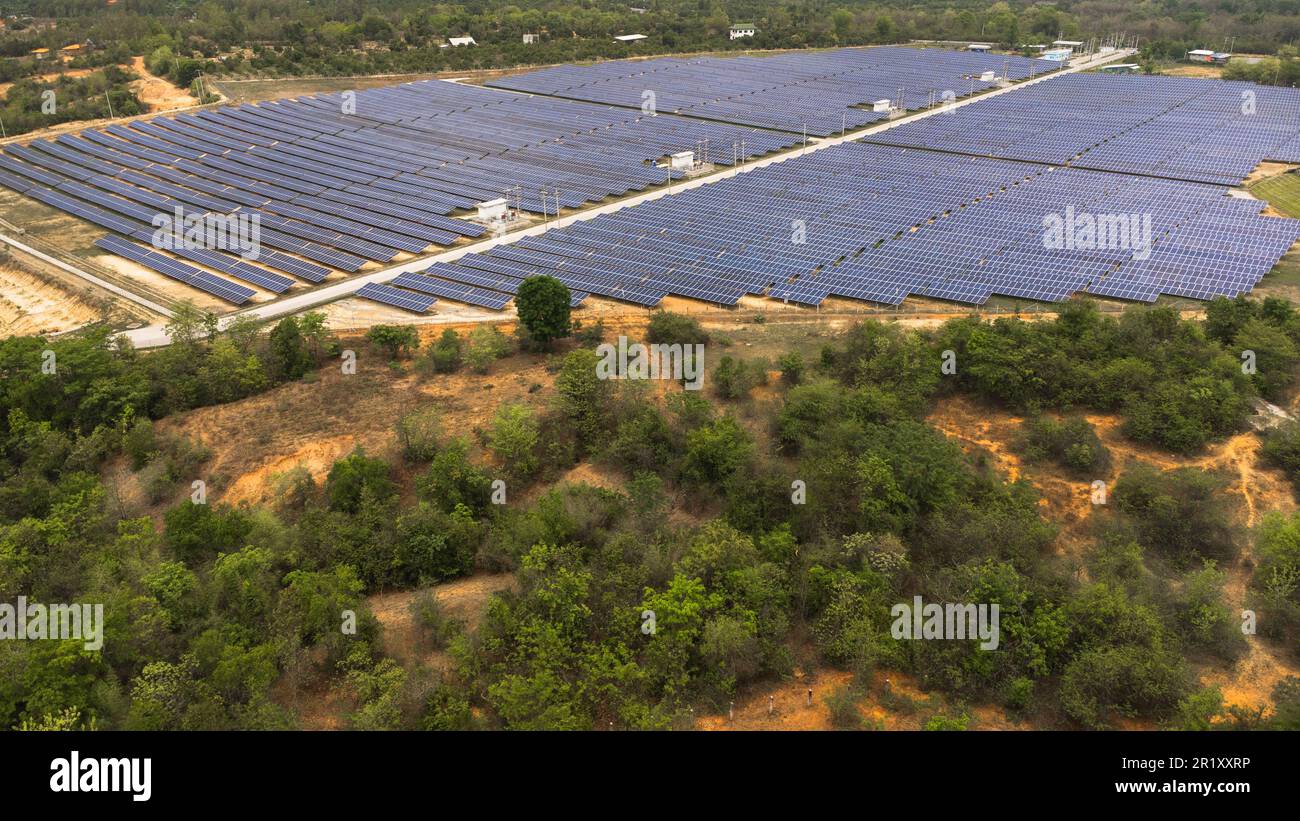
[341,37]
[213,611]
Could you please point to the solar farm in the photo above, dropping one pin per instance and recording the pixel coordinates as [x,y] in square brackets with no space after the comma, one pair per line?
[1176,127]
[336,192]
[948,206]
[789,92]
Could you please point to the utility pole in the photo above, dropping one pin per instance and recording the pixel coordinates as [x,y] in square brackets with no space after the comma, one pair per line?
[111,115]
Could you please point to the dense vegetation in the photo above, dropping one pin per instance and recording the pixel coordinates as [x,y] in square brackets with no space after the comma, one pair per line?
[29,106]
[223,616]
[294,37]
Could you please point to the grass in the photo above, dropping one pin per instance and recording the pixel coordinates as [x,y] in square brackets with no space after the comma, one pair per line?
[1282,192]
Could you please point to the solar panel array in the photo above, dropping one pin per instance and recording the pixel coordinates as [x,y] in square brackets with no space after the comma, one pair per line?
[1176,127]
[785,92]
[880,224]
[341,181]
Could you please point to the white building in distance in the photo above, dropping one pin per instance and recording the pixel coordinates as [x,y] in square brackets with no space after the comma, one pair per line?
[742,30]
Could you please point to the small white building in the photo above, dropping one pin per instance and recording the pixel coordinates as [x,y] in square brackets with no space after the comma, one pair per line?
[1201,55]
[743,30]
[682,160]
[980,48]
[491,210]
[1057,55]
[529,39]
[462,41]
[882,106]
[988,76]
[629,38]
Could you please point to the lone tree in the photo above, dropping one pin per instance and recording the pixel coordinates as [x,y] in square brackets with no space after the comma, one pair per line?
[543,304]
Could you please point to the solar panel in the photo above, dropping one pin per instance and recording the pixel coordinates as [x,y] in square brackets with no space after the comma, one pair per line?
[415,303]
[459,291]
[229,291]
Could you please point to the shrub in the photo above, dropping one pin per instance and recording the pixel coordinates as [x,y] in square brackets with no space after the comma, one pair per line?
[513,439]
[1071,443]
[1182,514]
[418,433]
[843,706]
[396,340]
[792,367]
[486,345]
[734,378]
[356,478]
[675,329]
[446,354]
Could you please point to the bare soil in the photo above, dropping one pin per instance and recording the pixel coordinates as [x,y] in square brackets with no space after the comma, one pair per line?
[30,304]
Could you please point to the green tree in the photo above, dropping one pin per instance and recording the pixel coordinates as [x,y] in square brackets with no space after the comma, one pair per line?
[543,306]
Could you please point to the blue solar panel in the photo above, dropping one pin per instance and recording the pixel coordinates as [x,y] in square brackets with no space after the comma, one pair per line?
[167,266]
[416,303]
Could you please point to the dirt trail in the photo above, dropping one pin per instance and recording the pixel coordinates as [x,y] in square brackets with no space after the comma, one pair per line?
[785,705]
[462,599]
[1067,502]
[156,93]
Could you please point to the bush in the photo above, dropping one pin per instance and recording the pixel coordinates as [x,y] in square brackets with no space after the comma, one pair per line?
[1105,683]
[792,367]
[675,329]
[734,378]
[486,345]
[513,440]
[1282,450]
[435,626]
[454,480]
[140,444]
[843,706]
[396,340]
[1182,514]
[943,723]
[446,354]
[289,357]
[356,479]
[1071,443]
[418,434]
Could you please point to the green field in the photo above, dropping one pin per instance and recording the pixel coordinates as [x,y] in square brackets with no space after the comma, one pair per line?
[1282,192]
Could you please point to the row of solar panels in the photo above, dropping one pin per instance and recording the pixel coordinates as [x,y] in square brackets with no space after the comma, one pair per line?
[882,223]
[344,189]
[816,92]
[1182,128]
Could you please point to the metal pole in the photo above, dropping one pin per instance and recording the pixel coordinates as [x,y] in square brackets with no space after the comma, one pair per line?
[111,115]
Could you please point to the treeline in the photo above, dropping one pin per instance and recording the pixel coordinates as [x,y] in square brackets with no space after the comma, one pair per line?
[294,37]
[752,532]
